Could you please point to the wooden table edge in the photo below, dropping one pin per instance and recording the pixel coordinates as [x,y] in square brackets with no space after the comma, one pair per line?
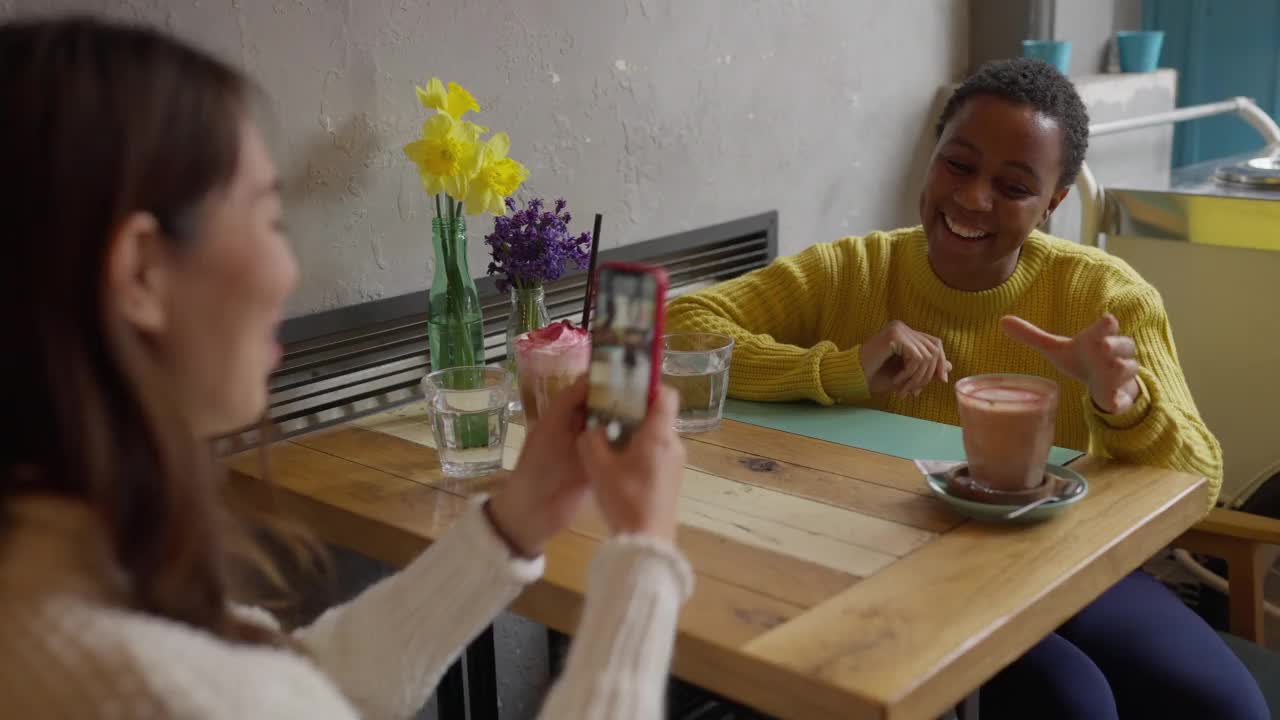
[716,667]
[950,681]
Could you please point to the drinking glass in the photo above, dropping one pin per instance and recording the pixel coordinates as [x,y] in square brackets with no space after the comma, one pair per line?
[469,408]
[697,366]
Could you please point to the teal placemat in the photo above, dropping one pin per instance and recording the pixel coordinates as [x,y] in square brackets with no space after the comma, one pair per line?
[873,430]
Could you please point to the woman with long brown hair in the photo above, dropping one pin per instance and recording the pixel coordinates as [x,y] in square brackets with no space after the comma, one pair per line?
[144,282]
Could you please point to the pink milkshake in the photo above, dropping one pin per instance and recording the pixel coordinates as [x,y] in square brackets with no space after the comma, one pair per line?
[1008,423]
[550,359]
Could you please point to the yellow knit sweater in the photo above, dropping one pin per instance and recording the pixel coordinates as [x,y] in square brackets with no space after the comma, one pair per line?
[798,324]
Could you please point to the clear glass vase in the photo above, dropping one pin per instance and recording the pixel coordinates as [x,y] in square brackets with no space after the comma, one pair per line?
[528,312]
[455,322]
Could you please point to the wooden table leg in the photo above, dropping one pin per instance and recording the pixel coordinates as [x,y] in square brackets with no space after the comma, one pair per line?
[1248,570]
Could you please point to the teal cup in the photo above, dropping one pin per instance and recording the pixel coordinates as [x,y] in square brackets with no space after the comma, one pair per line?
[1139,50]
[1055,52]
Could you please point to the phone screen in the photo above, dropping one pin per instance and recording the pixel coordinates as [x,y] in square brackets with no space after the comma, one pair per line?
[622,337]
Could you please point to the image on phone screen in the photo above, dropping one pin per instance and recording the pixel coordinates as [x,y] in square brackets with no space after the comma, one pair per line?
[621,351]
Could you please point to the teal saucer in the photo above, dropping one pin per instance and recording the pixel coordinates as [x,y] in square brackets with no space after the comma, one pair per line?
[988,512]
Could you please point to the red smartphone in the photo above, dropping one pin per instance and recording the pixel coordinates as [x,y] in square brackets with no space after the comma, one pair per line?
[626,346]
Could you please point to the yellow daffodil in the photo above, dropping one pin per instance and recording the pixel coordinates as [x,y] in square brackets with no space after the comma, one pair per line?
[453,159]
[455,103]
[474,130]
[498,177]
[448,155]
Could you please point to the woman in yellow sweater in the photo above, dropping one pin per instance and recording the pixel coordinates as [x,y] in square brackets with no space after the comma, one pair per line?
[888,319]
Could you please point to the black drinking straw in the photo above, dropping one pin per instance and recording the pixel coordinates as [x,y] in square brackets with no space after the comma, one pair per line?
[591,272]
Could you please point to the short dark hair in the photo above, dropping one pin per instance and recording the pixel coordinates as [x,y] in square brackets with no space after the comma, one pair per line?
[1033,82]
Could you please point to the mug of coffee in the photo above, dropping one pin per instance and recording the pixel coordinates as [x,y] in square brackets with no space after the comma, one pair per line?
[1007,422]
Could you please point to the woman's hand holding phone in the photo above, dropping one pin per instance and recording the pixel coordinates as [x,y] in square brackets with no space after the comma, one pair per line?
[636,477]
[548,485]
[638,487]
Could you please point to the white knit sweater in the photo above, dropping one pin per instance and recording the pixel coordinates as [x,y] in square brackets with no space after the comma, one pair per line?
[70,648]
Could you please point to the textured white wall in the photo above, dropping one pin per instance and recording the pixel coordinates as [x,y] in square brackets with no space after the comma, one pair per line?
[663,114]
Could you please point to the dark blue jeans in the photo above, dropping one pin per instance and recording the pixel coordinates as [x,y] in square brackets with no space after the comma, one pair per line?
[1135,652]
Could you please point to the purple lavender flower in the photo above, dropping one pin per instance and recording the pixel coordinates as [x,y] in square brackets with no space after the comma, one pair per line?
[532,246]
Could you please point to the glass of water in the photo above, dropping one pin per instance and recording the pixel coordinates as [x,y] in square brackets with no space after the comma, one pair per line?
[697,366]
[468,412]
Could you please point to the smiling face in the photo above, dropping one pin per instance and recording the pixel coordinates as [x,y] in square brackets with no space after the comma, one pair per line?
[993,178]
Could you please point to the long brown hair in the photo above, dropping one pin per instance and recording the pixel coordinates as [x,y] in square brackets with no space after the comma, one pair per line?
[98,121]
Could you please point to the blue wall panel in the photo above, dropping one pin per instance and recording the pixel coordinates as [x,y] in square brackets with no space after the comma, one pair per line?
[1221,48]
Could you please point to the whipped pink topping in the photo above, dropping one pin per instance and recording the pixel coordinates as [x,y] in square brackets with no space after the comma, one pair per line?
[554,338]
[559,349]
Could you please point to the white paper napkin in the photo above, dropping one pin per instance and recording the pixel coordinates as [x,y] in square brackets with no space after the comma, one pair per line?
[936,467]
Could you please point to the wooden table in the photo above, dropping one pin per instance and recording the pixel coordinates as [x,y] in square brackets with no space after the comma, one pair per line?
[830,584]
